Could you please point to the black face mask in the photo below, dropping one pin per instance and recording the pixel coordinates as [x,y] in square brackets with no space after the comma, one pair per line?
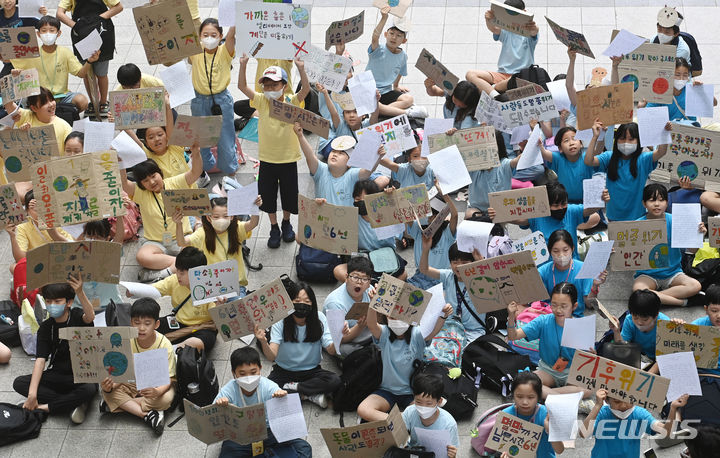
[301,310]
[362,210]
[558,214]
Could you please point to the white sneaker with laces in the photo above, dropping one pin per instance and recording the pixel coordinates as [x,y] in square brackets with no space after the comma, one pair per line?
[417,111]
[319,399]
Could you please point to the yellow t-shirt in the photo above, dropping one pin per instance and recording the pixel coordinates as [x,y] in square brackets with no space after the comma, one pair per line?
[69,5]
[197,239]
[160,342]
[220,71]
[189,314]
[61,127]
[171,163]
[277,143]
[53,68]
[152,216]
[29,237]
[146,81]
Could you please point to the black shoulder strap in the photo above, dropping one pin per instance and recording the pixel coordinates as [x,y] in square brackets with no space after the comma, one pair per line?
[175,310]
[462,301]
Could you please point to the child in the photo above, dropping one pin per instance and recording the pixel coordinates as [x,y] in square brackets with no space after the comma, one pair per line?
[415,171]
[220,237]
[158,246]
[86,13]
[10,18]
[53,389]
[129,76]
[41,113]
[527,393]
[187,314]
[627,168]
[74,143]
[279,149]
[668,32]
[148,403]
[460,105]
[354,289]
[622,424]
[569,163]
[248,388]
[713,315]
[56,63]
[426,413]
[548,328]
[296,345]
[211,77]
[670,283]
[400,345]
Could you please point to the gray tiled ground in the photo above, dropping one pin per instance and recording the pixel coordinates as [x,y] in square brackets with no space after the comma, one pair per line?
[451,29]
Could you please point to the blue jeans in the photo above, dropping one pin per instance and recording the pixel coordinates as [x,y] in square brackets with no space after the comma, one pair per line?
[300,448]
[226,150]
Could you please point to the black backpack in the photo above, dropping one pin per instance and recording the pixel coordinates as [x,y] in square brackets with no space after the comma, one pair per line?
[361,375]
[67,112]
[193,367]
[496,364]
[315,265]
[117,314]
[9,334]
[460,393]
[18,424]
[85,25]
[695,57]
[534,74]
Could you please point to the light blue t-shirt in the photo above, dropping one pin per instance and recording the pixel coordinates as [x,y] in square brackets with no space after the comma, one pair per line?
[473,329]
[397,359]
[547,330]
[571,174]
[300,355]
[517,51]
[646,340]
[572,219]
[466,123]
[339,299]
[263,392]
[386,66]
[626,192]
[674,258]
[674,113]
[487,181]
[705,321]
[438,255]
[621,438]
[444,422]
[337,191]
[544,450]
[407,177]
[367,238]
[551,276]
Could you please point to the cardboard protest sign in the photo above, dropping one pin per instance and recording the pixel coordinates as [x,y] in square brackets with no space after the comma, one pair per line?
[477,146]
[52,263]
[435,224]
[97,353]
[22,149]
[622,382]
[24,85]
[692,154]
[290,114]
[535,244]
[345,31]
[433,69]
[167,31]
[357,311]
[519,438]
[272,31]
[400,206]
[215,423]
[76,189]
[639,245]
[399,300]
[19,43]
[11,206]
[703,341]
[203,129]
[505,116]
[574,40]
[397,7]
[264,307]
[494,283]
[214,281]
[651,69]
[489,111]
[611,104]
[326,68]
[138,108]
[397,134]
[344,99]
[367,440]
[192,202]
[519,204]
[327,227]
[511,19]
[522,92]
[714,231]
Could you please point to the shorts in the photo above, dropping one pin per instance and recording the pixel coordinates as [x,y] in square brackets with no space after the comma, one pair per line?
[499,76]
[128,391]
[67,98]
[283,176]
[390,97]
[661,283]
[171,250]
[559,377]
[100,68]
[402,400]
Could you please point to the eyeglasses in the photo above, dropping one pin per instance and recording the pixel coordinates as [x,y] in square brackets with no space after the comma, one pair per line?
[357,279]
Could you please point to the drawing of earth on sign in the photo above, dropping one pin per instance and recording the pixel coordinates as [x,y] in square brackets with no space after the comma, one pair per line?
[225,329]
[687,169]
[23,38]
[416,298]
[630,78]
[307,232]
[115,363]
[513,450]
[300,17]
[659,256]
[13,164]
[61,183]
[484,288]
[116,340]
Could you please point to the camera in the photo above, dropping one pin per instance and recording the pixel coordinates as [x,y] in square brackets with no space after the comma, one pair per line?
[216,110]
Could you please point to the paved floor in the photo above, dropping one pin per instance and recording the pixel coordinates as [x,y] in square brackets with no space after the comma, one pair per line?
[452,30]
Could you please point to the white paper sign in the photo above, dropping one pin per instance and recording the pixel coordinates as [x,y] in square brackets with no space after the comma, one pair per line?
[596,260]
[449,168]
[178,82]
[138,290]
[579,333]
[397,135]
[699,100]
[214,281]
[686,219]
[336,322]
[8,120]
[592,192]
[151,368]
[98,136]
[363,91]
[473,235]
[563,411]
[226,13]
[272,30]
[681,370]
[30,8]
[242,201]
[387,232]
[651,123]
[560,96]
[286,418]
[624,43]
[434,440]
[128,150]
[326,68]
[434,126]
[88,45]
[531,154]
[433,310]
[365,154]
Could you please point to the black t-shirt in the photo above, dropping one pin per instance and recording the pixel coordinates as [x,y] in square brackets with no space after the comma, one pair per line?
[50,346]
[16,21]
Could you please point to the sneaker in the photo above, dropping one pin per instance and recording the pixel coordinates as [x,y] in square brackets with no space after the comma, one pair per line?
[417,111]
[90,108]
[103,407]
[151,276]
[204,180]
[104,108]
[288,235]
[274,240]
[156,420]
[491,324]
[586,405]
[290,386]
[319,399]
[78,414]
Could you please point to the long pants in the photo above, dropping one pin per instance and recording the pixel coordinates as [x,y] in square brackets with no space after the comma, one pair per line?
[232,449]
[310,382]
[57,390]
[226,151]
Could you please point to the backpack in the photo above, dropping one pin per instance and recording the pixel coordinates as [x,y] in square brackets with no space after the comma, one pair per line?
[609,335]
[117,314]
[447,345]
[9,334]
[67,112]
[196,378]
[85,25]
[408,452]
[131,221]
[532,347]
[534,74]
[492,360]
[18,424]
[484,427]
[695,57]
[315,265]
[361,375]
[460,393]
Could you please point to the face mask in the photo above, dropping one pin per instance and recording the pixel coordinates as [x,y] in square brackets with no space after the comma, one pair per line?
[679,84]
[425,412]
[562,261]
[301,310]
[558,214]
[420,165]
[362,210]
[210,42]
[623,414]
[664,39]
[55,310]
[48,39]
[646,328]
[220,224]
[248,383]
[273,95]
[398,327]
[627,148]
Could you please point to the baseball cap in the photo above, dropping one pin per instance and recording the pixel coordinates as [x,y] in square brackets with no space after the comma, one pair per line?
[274,73]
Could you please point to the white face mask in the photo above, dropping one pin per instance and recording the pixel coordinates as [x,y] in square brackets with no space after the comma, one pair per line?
[248,383]
[562,261]
[398,327]
[210,42]
[419,165]
[627,148]
[425,412]
[48,39]
[273,95]
[679,84]
[664,39]
[623,414]
[646,328]
[220,224]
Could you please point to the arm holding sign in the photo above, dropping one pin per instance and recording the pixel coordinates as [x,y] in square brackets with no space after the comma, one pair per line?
[242,77]
[229,42]
[447,310]
[308,152]
[270,350]
[364,174]
[614,75]
[662,149]
[453,210]
[590,159]
[192,175]
[371,321]
[513,331]
[77,285]
[17,251]
[424,266]
[334,116]
[489,16]
[673,415]
[570,77]
[432,89]
[379,28]
[304,81]
[600,397]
